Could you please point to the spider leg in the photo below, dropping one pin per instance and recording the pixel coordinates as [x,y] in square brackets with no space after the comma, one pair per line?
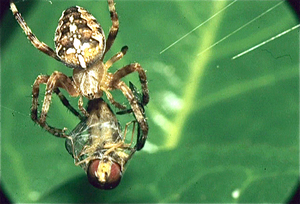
[142,75]
[81,108]
[66,103]
[139,98]
[116,57]
[138,113]
[125,132]
[115,26]
[112,100]
[33,39]
[57,79]
[42,79]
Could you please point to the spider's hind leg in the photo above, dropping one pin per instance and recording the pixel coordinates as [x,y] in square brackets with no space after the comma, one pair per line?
[128,69]
[138,97]
[137,105]
[140,138]
[138,114]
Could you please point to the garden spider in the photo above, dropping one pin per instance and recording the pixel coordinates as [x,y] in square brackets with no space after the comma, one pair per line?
[80,44]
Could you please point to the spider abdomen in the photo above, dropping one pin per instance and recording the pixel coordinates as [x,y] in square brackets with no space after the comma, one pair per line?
[79,38]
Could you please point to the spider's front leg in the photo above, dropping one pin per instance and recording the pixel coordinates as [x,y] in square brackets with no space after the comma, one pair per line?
[138,113]
[136,107]
[135,67]
[56,80]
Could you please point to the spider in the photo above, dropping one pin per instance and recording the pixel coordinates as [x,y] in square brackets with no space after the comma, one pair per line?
[80,44]
[97,145]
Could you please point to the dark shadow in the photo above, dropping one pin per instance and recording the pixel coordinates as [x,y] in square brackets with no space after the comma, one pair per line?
[295,199]
[4,7]
[295,4]
[3,196]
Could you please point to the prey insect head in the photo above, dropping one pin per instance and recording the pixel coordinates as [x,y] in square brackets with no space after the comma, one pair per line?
[104,173]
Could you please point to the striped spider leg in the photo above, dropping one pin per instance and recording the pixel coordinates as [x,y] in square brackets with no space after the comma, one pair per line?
[141,138]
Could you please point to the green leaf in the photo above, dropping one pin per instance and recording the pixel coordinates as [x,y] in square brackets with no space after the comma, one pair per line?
[221,130]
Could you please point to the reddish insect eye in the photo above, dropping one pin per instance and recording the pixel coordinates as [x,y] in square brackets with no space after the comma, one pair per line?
[106,176]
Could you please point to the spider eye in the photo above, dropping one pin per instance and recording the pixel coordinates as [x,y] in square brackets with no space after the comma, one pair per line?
[79,38]
[103,174]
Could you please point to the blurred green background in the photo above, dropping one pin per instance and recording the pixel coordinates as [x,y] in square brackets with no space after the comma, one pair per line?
[221,130]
